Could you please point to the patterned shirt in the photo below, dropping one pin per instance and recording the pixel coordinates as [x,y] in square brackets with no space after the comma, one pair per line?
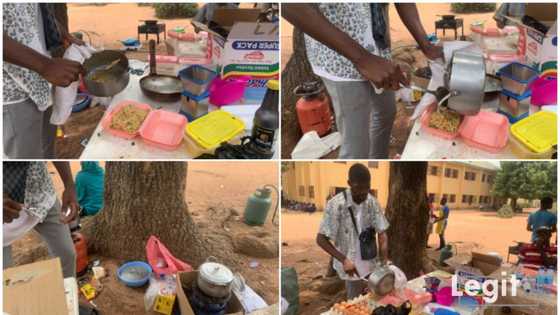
[39,195]
[365,23]
[338,227]
[23,23]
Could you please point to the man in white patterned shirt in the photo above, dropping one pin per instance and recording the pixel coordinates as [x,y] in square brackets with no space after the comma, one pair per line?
[30,202]
[340,228]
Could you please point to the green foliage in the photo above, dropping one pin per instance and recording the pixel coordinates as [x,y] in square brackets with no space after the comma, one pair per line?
[505,212]
[527,180]
[473,7]
[175,10]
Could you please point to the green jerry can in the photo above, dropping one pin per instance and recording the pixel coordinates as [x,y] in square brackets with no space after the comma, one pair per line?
[258,205]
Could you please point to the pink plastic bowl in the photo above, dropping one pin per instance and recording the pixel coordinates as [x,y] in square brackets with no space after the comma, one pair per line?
[226,92]
[425,121]
[487,131]
[163,129]
[106,122]
[544,91]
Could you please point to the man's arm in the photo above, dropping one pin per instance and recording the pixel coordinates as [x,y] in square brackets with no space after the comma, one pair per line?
[409,15]
[324,242]
[58,71]
[383,248]
[69,200]
[373,68]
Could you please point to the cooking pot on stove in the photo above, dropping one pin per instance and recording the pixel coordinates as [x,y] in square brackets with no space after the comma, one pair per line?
[382,280]
[214,279]
[465,79]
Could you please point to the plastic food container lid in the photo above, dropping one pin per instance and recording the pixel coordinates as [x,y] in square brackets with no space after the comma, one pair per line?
[273,85]
[486,130]
[211,130]
[538,131]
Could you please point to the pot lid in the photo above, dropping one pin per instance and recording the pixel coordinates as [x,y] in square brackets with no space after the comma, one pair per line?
[216,273]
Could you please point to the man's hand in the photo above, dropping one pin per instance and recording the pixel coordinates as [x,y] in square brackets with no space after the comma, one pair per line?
[61,72]
[69,39]
[11,209]
[350,268]
[432,51]
[381,72]
[69,201]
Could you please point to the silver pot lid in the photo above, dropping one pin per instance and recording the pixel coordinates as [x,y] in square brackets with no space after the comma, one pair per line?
[216,273]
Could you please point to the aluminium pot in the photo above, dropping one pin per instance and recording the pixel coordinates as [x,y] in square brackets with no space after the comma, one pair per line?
[160,88]
[382,280]
[114,80]
[465,78]
[214,279]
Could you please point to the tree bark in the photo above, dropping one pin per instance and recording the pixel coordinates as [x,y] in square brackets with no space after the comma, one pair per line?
[408,214]
[297,71]
[143,199]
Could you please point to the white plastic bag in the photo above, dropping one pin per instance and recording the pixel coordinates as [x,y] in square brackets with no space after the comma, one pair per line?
[65,97]
[310,146]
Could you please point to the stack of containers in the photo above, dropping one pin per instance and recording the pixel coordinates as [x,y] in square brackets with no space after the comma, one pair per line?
[196,82]
[514,98]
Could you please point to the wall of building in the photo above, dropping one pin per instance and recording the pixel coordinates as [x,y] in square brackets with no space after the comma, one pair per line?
[313,182]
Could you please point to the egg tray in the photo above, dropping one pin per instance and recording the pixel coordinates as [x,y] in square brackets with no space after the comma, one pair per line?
[362,305]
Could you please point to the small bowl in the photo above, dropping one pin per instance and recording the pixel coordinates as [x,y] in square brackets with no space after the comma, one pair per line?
[141,267]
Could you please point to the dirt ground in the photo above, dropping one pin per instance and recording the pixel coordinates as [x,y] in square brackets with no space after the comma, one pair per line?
[399,37]
[472,229]
[212,189]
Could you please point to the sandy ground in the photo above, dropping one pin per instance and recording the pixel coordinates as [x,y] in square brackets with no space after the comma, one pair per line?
[467,228]
[220,185]
[399,37]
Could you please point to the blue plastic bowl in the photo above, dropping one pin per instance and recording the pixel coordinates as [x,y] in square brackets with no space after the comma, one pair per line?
[82,102]
[134,274]
[130,42]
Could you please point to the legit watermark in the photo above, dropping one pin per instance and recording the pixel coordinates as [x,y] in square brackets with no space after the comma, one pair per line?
[488,288]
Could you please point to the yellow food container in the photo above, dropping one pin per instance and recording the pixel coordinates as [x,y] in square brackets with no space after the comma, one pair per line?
[538,132]
[209,131]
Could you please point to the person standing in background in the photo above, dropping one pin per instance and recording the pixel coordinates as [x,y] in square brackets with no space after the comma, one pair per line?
[441,222]
[90,182]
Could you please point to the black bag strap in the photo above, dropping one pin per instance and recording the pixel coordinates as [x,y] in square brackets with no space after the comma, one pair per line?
[352,215]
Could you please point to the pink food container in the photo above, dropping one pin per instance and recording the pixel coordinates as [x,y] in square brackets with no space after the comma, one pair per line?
[425,121]
[229,91]
[106,122]
[163,129]
[444,296]
[544,91]
[487,131]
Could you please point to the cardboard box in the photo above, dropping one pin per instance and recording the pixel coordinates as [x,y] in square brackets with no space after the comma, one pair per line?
[36,288]
[537,47]
[227,17]
[185,279]
[477,266]
[251,49]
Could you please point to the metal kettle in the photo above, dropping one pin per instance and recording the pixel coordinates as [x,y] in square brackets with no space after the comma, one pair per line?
[382,280]
[465,79]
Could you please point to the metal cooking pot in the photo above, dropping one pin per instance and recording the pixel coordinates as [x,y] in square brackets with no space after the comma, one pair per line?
[114,80]
[382,280]
[465,78]
[214,279]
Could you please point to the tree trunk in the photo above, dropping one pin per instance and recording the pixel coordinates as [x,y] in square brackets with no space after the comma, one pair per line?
[514,204]
[297,71]
[143,199]
[407,212]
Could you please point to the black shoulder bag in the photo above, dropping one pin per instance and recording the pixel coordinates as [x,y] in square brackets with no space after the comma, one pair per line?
[368,240]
